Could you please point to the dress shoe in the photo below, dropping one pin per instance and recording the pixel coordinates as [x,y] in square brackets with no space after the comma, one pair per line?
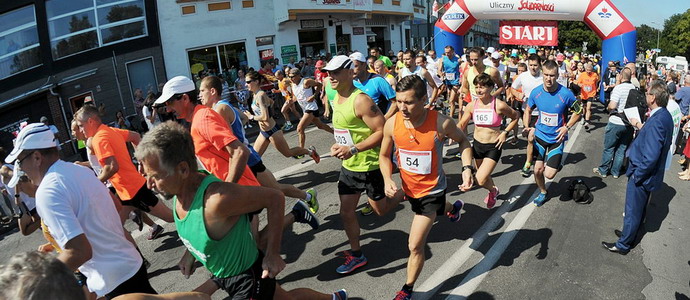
[612,247]
[617,232]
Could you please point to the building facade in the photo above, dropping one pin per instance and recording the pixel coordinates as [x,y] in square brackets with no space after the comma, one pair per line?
[55,54]
[216,35]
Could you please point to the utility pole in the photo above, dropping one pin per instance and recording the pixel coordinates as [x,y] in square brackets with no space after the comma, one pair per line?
[428,21]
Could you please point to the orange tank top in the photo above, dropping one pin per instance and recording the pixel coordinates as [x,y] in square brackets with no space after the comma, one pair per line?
[420,157]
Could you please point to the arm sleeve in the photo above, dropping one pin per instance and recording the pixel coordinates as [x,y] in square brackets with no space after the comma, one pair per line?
[57,213]
[215,130]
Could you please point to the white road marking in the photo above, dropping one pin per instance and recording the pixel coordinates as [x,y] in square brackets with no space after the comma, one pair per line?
[471,281]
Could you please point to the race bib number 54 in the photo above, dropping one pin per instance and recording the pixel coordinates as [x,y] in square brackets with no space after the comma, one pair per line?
[418,162]
[343,137]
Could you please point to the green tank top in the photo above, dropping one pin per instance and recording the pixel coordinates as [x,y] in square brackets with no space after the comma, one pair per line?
[330,93]
[350,130]
[471,76]
[232,255]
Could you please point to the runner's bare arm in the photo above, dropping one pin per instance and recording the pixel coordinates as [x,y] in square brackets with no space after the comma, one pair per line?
[440,69]
[505,110]
[170,296]
[430,81]
[385,161]
[76,252]
[227,199]
[309,83]
[391,110]
[225,112]
[496,77]
[110,167]
[526,115]
[134,138]
[462,123]
[372,116]
[465,87]
[239,154]
[451,130]
[264,104]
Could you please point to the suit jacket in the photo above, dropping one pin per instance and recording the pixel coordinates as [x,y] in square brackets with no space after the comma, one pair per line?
[648,152]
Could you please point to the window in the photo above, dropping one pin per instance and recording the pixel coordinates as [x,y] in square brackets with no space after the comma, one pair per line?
[19,47]
[396,2]
[188,9]
[378,1]
[218,6]
[216,59]
[79,25]
[142,75]
[247,3]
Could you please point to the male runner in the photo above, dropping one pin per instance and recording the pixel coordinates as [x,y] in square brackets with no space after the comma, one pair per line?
[358,125]
[553,102]
[411,68]
[305,96]
[478,67]
[373,85]
[418,134]
[374,51]
[210,97]
[212,219]
[381,69]
[109,146]
[449,68]
[81,216]
[589,85]
[521,90]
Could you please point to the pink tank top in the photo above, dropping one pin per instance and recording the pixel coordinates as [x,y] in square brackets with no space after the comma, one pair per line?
[486,117]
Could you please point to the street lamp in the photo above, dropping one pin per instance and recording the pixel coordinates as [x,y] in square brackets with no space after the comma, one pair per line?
[658,33]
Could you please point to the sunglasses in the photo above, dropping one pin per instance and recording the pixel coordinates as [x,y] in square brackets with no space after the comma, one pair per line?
[249,81]
[292,76]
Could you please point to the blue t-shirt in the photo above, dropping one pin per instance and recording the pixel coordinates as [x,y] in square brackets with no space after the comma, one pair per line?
[553,110]
[238,131]
[683,96]
[451,67]
[377,88]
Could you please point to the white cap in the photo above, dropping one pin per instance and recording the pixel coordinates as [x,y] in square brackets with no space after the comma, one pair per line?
[176,85]
[33,136]
[358,56]
[496,55]
[490,50]
[339,62]
[16,174]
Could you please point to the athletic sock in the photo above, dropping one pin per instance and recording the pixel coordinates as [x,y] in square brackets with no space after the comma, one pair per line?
[407,288]
[357,253]
[528,164]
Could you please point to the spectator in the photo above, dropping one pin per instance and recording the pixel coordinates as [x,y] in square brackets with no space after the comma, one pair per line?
[150,115]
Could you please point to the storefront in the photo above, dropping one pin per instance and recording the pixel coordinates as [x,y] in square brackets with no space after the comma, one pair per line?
[312,38]
[217,58]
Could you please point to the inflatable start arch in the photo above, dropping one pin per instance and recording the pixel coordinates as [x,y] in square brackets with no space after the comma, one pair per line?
[617,33]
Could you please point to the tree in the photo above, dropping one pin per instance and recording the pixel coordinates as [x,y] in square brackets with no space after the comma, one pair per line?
[572,34]
[119,13]
[78,42]
[675,38]
[646,37]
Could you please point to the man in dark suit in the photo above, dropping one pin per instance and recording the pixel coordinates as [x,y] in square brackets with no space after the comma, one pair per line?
[646,156]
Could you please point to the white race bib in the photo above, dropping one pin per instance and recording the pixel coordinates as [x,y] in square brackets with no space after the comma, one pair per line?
[548,119]
[343,137]
[588,88]
[450,76]
[418,162]
[483,117]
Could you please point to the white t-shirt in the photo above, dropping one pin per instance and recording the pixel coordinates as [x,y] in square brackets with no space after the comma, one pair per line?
[619,94]
[528,83]
[147,114]
[501,70]
[72,201]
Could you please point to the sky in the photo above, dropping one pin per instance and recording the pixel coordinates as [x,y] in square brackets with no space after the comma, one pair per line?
[641,11]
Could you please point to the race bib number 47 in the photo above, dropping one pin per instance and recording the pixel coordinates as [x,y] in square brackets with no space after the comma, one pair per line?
[450,76]
[418,162]
[343,137]
[548,119]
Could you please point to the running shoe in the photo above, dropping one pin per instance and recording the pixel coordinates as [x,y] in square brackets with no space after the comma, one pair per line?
[539,200]
[367,210]
[596,171]
[403,295]
[454,215]
[490,199]
[314,155]
[313,203]
[298,156]
[351,263]
[340,295]
[287,127]
[155,232]
[135,216]
[458,155]
[587,126]
[304,215]
[525,172]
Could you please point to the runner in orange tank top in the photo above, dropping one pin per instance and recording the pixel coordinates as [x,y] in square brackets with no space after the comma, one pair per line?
[418,134]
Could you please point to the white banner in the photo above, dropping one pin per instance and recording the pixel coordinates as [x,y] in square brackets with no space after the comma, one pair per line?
[535,9]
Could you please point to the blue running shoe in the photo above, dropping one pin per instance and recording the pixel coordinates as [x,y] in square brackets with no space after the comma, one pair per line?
[340,295]
[303,214]
[454,215]
[539,200]
[351,263]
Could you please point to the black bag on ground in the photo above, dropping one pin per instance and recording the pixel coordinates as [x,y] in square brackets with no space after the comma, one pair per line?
[580,192]
[636,98]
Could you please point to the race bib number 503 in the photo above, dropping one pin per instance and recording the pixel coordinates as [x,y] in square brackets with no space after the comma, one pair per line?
[343,137]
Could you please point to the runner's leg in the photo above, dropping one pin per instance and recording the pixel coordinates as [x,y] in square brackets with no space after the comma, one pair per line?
[261,144]
[348,204]
[484,169]
[322,126]
[539,176]
[421,225]
[303,123]
[278,140]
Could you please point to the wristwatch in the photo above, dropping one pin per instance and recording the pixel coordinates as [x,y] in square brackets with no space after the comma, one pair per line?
[470,167]
[354,150]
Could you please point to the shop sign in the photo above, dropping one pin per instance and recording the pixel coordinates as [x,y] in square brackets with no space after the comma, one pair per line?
[312,23]
[264,41]
[357,30]
[532,33]
[332,2]
[287,52]
[266,54]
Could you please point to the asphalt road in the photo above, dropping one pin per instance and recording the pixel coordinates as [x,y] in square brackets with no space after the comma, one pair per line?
[514,250]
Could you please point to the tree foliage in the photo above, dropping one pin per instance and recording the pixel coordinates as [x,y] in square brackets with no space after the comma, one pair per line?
[646,37]
[675,38]
[572,34]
